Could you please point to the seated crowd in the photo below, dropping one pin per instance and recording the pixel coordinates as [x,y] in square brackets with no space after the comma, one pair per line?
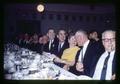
[80,53]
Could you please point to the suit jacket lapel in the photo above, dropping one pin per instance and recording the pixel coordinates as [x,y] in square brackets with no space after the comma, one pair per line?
[86,52]
[114,64]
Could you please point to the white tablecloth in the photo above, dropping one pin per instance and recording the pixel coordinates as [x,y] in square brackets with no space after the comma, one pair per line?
[34,66]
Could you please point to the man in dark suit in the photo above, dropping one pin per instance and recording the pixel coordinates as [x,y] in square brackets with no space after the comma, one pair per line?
[62,43]
[50,46]
[88,55]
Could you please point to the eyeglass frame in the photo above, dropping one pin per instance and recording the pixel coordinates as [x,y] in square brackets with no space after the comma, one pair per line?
[108,39]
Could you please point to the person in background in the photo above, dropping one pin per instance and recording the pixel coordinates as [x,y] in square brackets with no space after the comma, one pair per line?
[35,38]
[93,35]
[40,39]
[50,45]
[19,39]
[33,42]
[61,44]
[68,57]
[88,55]
[105,67]
[39,44]
[26,40]
[45,40]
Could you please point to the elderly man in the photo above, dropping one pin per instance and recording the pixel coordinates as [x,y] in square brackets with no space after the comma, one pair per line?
[105,67]
[88,55]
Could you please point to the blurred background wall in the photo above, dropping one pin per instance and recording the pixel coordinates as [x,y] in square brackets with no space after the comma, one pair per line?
[24,18]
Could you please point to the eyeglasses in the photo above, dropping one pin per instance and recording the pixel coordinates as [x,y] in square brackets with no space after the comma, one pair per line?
[108,39]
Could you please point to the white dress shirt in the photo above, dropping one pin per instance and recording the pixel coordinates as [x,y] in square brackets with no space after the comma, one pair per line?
[50,43]
[61,44]
[100,64]
[83,50]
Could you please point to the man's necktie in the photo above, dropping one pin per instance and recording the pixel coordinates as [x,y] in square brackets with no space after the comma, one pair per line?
[81,54]
[50,44]
[59,47]
[103,73]
[78,53]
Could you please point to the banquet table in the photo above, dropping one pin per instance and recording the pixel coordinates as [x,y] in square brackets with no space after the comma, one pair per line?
[24,64]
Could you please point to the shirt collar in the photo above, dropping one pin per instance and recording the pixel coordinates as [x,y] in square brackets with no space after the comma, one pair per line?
[86,43]
[111,53]
[52,40]
[62,43]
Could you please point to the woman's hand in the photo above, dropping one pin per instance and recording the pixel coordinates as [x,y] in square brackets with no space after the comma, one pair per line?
[66,67]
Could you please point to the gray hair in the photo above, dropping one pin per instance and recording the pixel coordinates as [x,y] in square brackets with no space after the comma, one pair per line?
[106,31]
[82,31]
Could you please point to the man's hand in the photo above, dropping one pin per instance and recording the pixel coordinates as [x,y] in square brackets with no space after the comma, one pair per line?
[79,67]
[113,77]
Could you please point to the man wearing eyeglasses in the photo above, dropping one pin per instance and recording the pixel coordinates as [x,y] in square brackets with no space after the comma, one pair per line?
[105,67]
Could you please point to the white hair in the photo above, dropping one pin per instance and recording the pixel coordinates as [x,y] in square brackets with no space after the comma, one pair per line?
[111,31]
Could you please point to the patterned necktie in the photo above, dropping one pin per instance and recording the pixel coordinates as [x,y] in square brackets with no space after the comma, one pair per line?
[103,74]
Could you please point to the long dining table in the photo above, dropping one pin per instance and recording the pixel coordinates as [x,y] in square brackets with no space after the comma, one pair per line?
[24,64]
